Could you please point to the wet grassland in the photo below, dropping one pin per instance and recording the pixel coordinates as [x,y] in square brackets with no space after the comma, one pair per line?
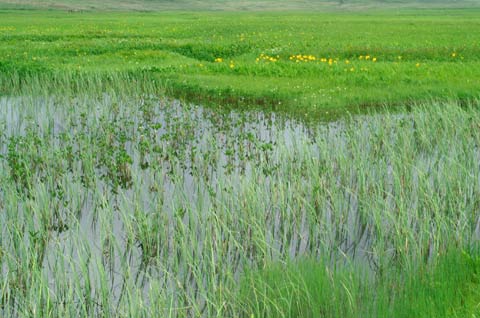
[118,200]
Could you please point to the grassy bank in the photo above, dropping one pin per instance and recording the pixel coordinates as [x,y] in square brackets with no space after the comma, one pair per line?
[300,62]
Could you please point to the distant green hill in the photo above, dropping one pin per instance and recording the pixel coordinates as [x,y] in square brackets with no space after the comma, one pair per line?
[244,5]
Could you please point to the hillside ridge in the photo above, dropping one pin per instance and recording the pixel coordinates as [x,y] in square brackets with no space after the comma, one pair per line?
[231,5]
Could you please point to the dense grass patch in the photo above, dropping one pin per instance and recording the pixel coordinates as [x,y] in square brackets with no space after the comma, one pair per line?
[303,288]
[447,287]
[300,62]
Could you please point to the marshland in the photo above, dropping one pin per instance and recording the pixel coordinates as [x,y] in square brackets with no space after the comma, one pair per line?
[266,163]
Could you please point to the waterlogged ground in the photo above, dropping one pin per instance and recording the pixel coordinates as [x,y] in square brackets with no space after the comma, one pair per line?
[135,207]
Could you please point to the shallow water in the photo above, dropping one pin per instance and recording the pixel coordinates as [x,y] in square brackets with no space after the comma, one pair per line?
[187,135]
[150,196]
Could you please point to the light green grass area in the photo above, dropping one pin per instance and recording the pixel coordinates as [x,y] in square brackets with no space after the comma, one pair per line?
[300,62]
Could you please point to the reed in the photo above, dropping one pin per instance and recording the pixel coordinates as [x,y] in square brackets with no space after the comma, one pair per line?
[120,205]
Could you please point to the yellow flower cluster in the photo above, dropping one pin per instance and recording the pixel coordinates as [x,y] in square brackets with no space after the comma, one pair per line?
[367,58]
[353,69]
[231,64]
[312,58]
[330,61]
[302,58]
[267,58]
[7,28]
[456,55]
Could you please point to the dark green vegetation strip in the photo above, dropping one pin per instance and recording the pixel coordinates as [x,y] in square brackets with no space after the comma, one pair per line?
[305,288]
[305,62]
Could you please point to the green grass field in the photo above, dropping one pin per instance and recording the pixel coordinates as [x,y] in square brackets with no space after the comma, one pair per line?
[157,161]
[302,62]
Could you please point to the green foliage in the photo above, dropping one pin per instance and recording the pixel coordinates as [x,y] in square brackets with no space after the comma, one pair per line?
[115,202]
[309,288]
[302,288]
[354,60]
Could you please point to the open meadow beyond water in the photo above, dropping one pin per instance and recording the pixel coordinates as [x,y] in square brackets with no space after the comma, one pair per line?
[301,62]
[226,164]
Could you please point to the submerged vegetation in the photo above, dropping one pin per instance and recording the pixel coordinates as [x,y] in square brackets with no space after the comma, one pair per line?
[121,207]
[118,200]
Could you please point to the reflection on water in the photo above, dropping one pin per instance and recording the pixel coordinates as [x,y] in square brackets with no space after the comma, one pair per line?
[108,199]
[179,161]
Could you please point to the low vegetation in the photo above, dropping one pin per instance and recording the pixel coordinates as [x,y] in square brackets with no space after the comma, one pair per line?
[304,63]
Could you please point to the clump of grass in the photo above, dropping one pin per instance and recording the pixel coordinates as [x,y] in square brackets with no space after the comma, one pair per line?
[302,288]
[447,287]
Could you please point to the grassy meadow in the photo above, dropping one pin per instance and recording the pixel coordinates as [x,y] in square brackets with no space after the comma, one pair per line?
[239,164]
[301,62]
